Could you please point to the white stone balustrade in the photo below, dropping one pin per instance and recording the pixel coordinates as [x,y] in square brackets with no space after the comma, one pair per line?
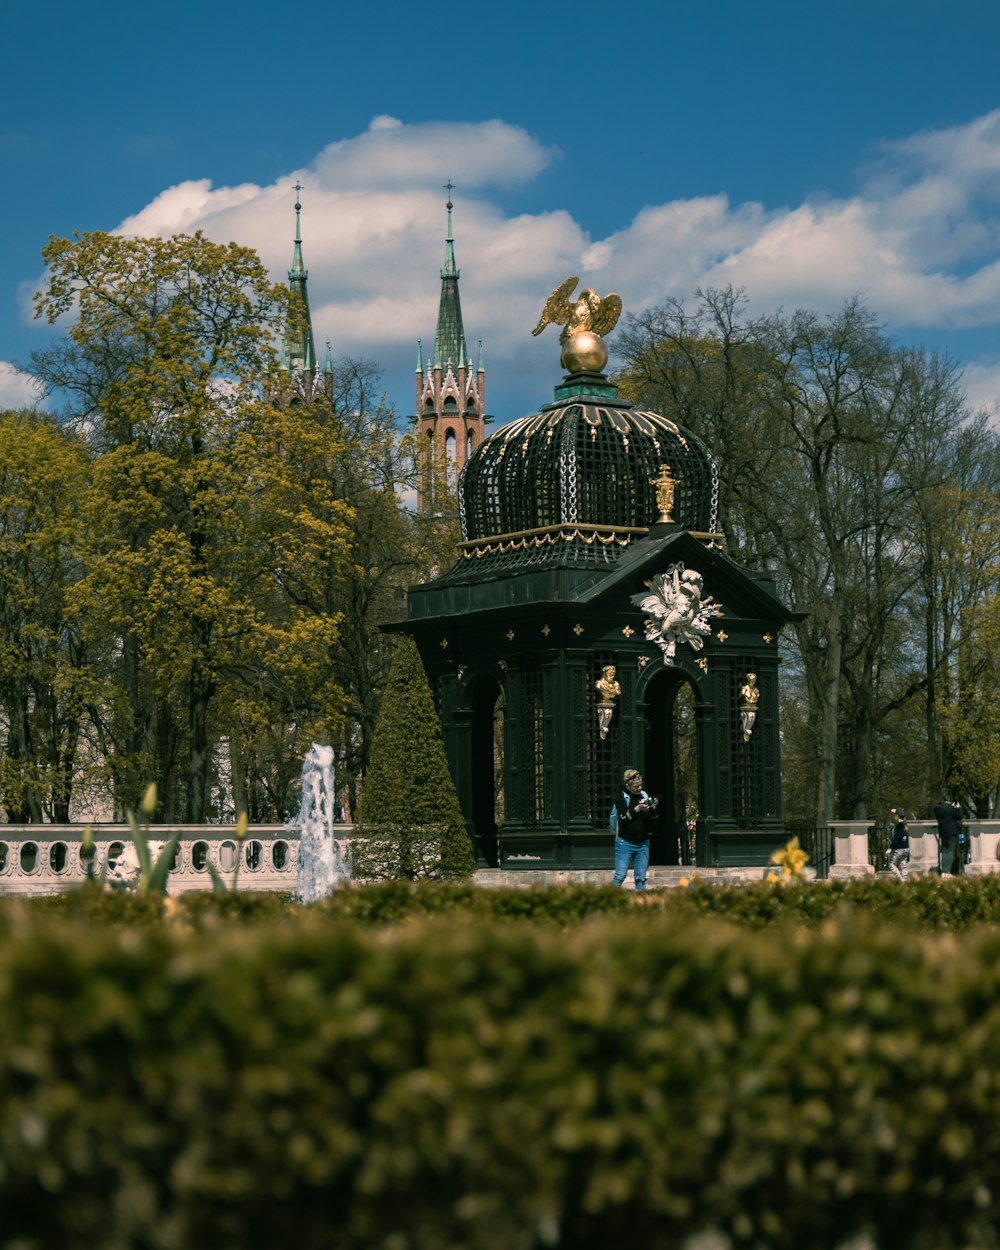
[850,847]
[46,859]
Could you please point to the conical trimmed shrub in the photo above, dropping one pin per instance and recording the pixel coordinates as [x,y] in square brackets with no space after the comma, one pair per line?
[410,825]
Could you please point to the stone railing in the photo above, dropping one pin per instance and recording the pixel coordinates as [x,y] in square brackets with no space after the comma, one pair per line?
[46,859]
[850,847]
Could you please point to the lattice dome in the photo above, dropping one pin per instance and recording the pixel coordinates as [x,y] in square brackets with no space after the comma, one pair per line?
[574,484]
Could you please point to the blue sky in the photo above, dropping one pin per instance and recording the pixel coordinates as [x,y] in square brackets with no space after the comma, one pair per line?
[803,152]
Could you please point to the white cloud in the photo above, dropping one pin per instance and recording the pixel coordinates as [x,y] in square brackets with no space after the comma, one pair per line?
[982,387]
[391,154]
[17,390]
[185,208]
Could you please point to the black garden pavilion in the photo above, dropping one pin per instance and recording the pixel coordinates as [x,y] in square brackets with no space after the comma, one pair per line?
[566,516]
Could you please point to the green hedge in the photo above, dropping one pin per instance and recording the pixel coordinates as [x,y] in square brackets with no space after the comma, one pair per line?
[923,903]
[638,1079]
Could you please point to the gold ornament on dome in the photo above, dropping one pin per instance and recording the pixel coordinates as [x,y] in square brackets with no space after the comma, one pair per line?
[584,320]
[666,488]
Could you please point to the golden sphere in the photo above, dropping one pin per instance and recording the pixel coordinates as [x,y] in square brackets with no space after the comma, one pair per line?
[584,352]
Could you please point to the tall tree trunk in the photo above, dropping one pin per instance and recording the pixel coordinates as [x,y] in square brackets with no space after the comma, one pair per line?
[200,689]
[20,750]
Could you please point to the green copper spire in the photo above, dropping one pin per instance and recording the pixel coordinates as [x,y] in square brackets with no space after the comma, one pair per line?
[298,351]
[328,363]
[449,341]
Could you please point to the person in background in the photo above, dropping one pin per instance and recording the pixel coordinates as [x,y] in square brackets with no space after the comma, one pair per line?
[951,837]
[899,844]
[636,811]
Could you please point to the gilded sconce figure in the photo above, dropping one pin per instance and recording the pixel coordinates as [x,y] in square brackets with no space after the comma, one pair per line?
[609,690]
[749,698]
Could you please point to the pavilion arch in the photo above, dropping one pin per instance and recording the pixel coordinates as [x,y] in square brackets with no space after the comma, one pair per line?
[670,702]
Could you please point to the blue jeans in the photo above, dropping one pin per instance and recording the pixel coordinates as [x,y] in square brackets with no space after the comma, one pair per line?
[630,855]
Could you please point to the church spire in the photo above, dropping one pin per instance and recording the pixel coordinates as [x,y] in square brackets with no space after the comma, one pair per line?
[449,341]
[450,413]
[298,351]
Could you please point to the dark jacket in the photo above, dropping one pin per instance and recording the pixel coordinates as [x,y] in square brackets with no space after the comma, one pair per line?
[900,840]
[634,826]
[949,819]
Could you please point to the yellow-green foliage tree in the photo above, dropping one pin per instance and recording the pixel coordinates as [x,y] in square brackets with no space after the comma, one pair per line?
[45,682]
[209,526]
[393,547]
[970,711]
[410,824]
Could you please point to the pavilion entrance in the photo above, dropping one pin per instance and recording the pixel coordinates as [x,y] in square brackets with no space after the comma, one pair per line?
[672,768]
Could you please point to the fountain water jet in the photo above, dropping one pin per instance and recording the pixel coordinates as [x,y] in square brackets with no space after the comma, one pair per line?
[323,863]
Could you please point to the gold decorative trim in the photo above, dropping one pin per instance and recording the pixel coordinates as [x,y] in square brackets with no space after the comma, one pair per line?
[703,663]
[578,630]
[722,635]
[510,635]
[444,644]
[643,661]
[628,631]
[769,637]
[546,631]
[549,535]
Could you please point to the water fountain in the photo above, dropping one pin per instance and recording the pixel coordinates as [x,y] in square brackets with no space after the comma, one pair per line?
[324,863]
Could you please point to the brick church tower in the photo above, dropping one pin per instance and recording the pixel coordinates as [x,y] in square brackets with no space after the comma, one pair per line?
[450,393]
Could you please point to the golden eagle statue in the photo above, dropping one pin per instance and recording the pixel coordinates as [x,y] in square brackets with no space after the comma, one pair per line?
[588,313]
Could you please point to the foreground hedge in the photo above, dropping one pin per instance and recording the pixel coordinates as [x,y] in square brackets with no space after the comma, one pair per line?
[312,1082]
[922,903]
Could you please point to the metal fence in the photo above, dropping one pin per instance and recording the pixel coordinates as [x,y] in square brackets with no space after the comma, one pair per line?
[817,844]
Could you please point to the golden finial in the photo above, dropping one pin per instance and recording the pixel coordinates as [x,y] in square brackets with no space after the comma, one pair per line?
[584,321]
[666,487]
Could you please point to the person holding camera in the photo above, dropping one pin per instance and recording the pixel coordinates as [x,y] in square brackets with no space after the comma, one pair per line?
[951,837]
[635,811]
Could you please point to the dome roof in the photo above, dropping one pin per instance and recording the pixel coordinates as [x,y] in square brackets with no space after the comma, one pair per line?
[574,484]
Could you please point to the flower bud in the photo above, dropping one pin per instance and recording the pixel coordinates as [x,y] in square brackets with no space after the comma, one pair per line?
[148,804]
